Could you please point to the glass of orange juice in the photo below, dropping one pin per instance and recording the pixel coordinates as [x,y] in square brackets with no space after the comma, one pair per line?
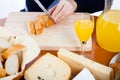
[84,25]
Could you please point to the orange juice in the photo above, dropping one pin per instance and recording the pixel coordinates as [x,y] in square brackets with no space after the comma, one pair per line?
[84,29]
[108,30]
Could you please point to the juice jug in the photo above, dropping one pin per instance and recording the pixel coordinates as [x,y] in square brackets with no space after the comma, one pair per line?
[108,28]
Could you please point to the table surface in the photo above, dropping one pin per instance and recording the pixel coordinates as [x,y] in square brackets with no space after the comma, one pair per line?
[97,53]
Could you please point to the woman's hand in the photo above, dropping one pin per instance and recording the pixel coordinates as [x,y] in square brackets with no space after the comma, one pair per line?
[63,9]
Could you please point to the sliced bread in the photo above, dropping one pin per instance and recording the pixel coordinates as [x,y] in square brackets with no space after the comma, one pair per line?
[14,49]
[2,72]
[31,27]
[12,64]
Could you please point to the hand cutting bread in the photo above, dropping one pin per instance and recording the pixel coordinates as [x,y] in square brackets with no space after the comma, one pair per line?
[37,26]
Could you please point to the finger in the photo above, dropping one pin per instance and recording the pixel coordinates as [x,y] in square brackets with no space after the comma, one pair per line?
[63,13]
[64,16]
[57,9]
[50,11]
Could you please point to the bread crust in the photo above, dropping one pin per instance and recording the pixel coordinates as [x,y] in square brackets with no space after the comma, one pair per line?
[14,49]
[2,72]
[48,21]
[31,27]
[40,19]
[37,26]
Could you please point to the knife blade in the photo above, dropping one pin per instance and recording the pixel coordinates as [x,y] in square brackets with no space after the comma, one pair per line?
[44,9]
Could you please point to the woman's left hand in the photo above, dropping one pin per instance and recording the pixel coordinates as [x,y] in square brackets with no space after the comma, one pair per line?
[63,9]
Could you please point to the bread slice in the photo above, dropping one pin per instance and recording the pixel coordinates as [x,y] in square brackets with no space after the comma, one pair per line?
[38,27]
[48,21]
[12,64]
[35,27]
[78,62]
[4,45]
[2,72]
[48,67]
[14,49]
[40,20]
[1,66]
[31,27]
[1,58]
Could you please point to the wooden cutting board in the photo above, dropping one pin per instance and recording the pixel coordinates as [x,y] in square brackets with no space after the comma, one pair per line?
[57,36]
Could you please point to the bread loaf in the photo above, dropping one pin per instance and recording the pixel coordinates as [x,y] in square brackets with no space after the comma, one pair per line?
[78,62]
[36,27]
[48,67]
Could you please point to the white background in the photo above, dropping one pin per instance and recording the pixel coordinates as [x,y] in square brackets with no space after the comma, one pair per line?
[7,6]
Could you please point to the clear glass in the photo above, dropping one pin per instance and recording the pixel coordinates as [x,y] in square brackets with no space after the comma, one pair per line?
[108,27]
[84,25]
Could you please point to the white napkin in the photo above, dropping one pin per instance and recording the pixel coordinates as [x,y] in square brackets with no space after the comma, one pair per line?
[85,74]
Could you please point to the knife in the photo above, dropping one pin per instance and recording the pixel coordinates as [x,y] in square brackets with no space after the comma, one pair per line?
[44,9]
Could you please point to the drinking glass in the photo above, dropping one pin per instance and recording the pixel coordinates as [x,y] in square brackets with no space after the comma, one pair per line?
[84,25]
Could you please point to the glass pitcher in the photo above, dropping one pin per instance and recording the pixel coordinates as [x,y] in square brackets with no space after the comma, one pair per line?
[108,27]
